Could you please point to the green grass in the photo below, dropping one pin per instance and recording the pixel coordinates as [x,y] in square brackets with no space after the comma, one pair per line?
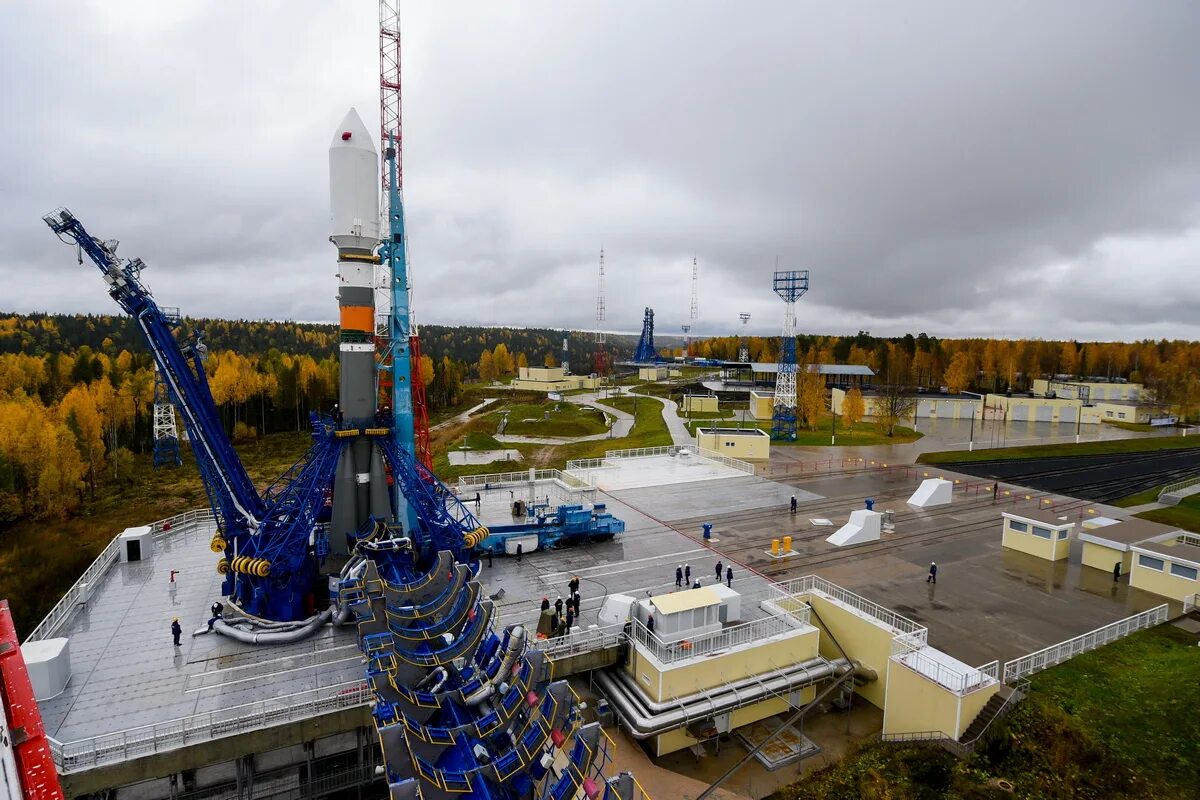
[528,419]
[1186,515]
[709,415]
[478,440]
[649,430]
[1137,499]
[1069,449]
[1121,722]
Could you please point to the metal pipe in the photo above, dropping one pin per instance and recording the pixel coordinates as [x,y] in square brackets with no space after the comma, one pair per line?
[645,723]
[308,628]
[513,651]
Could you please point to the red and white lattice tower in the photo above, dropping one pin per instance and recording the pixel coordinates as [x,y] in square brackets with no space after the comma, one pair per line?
[391,124]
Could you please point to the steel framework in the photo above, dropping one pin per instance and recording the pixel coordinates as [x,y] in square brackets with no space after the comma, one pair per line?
[600,357]
[166,433]
[743,347]
[645,352]
[790,285]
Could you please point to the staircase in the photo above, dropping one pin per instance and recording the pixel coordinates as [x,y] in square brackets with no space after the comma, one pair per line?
[997,707]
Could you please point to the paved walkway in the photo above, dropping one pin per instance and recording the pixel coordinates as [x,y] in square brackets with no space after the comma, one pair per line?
[464,416]
[1145,507]
[679,431]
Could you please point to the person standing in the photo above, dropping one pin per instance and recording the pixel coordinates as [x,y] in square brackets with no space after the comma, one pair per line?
[650,623]
[793,504]
[729,576]
[1116,572]
[489,554]
[687,574]
[575,601]
[573,584]
[558,606]
[932,572]
[545,604]
[720,571]
[570,621]
[995,492]
[176,630]
[519,548]
[678,576]
[477,500]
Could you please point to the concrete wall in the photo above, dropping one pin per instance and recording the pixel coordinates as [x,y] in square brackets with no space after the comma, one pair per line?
[1162,582]
[1052,549]
[564,384]
[1118,412]
[652,373]
[928,406]
[745,446]
[679,739]
[915,704]
[700,404]
[1096,391]
[865,640]
[1100,557]
[1056,409]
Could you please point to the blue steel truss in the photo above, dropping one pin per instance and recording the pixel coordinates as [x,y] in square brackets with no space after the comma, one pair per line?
[790,285]
[645,353]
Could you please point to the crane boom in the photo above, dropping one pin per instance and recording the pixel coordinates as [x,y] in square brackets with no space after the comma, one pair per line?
[232,493]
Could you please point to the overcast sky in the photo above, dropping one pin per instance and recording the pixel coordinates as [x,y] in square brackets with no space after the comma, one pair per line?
[960,168]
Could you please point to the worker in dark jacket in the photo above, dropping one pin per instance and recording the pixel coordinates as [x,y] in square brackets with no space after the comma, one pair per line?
[679,576]
[176,631]
[932,572]
[650,623]
[687,574]
[558,606]
[729,576]
[545,604]
[720,571]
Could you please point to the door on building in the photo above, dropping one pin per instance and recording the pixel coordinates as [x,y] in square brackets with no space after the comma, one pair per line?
[1019,412]
[945,409]
[1066,414]
[1045,413]
[925,408]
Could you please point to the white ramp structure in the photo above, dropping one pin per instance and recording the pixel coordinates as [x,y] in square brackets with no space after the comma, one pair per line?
[932,492]
[863,526]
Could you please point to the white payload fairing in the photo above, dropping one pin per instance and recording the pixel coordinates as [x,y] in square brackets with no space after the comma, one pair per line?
[360,488]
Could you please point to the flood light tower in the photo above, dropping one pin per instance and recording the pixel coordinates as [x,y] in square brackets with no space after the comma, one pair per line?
[789,285]
[743,347]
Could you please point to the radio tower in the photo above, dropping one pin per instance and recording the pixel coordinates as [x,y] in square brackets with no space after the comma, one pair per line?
[687,329]
[743,347]
[389,332]
[600,359]
[166,434]
[791,286]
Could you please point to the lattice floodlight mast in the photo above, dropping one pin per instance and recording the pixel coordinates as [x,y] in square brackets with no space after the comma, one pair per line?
[790,285]
[600,358]
[743,347]
[645,352]
[166,432]
[687,340]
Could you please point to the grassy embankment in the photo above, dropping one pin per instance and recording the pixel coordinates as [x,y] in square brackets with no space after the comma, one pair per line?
[1118,723]
[1186,515]
[41,558]
[541,419]
[1064,449]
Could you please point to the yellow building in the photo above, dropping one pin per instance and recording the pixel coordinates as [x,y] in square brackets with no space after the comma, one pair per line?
[1038,533]
[652,373]
[1168,568]
[1091,391]
[746,444]
[1129,411]
[1105,546]
[700,404]
[762,404]
[1023,408]
[551,379]
[927,406]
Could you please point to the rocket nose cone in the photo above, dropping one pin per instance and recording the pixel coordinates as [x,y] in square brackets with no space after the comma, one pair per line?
[352,133]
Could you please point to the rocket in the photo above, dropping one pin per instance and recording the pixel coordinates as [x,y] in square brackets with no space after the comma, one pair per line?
[360,485]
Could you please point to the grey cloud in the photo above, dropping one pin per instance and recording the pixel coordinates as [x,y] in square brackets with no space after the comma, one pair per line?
[1014,169]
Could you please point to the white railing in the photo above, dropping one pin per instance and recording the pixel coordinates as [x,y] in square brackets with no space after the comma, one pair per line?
[585,464]
[816,584]
[581,642]
[958,681]
[1058,653]
[674,449]
[1191,603]
[719,641]
[74,596]
[135,742]
[1177,485]
[505,479]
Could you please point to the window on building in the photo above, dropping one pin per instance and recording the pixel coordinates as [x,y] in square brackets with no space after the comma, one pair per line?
[1184,572]
[1149,562]
[1062,534]
[1041,532]
[1020,527]
[1121,415]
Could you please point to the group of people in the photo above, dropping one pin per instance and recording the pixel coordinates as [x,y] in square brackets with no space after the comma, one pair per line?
[683,576]
[562,619]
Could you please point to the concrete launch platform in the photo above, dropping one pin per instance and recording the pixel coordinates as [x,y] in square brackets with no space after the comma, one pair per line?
[126,674]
